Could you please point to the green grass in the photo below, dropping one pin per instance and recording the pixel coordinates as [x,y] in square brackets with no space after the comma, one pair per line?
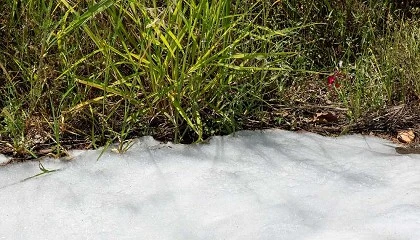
[101,72]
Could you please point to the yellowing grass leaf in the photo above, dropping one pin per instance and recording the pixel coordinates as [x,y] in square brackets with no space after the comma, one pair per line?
[164,40]
[241,68]
[171,34]
[259,55]
[88,102]
[110,89]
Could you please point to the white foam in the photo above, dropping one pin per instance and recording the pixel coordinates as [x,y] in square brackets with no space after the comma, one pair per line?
[251,185]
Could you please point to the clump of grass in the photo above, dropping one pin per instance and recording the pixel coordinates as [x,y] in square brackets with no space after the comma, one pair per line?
[399,59]
[111,70]
[387,73]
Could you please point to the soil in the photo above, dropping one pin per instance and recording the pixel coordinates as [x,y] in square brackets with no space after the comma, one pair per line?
[327,120]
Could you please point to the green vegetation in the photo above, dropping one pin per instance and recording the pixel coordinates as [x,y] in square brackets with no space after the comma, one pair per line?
[81,74]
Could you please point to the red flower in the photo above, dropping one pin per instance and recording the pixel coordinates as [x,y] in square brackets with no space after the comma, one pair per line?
[332,79]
